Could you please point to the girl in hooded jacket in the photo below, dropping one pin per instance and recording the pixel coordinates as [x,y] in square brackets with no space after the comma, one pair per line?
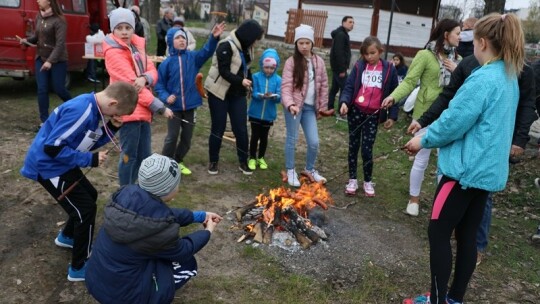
[304,94]
[126,60]
[176,85]
[228,83]
[262,109]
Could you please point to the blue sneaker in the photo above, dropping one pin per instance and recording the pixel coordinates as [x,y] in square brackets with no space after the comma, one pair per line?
[76,275]
[450,301]
[421,299]
[63,241]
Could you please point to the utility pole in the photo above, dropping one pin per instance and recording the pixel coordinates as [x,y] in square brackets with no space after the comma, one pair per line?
[389,29]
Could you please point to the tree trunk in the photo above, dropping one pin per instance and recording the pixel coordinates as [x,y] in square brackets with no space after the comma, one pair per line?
[494,6]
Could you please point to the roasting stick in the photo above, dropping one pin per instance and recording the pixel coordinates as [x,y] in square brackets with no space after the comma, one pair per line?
[26,42]
[70,188]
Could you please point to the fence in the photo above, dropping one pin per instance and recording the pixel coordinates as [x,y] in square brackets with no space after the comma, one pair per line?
[316,19]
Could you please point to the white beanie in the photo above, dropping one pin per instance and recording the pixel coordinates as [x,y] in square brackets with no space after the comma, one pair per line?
[121,15]
[159,175]
[304,31]
[180,32]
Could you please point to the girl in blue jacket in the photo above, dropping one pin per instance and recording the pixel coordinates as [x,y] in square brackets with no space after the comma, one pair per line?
[262,109]
[474,136]
[177,88]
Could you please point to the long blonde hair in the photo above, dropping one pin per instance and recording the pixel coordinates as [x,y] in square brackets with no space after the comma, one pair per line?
[506,37]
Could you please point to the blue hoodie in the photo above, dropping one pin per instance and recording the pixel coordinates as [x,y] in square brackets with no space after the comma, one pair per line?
[265,108]
[179,79]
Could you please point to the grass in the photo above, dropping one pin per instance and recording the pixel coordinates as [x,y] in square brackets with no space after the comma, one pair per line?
[511,257]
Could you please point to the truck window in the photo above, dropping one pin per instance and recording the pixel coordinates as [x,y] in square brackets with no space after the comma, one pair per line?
[10,3]
[72,6]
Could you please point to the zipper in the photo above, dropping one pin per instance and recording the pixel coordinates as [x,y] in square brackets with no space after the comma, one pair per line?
[155,281]
[264,100]
[217,78]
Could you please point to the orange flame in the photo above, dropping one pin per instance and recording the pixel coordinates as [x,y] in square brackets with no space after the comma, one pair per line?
[305,198]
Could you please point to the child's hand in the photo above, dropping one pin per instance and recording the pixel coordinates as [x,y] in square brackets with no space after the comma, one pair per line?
[102,157]
[171,99]
[246,83]
[168,113]
[387,102]
[344,109]
[414,145]
[213,217]
[218,29]
[139,83]
[294,109]
[210,226]
[414,127]
[116,121]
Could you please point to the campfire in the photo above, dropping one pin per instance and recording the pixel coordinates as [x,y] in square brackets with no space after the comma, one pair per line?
[283,209]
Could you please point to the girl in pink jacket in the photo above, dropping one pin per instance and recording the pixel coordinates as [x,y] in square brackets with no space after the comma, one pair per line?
[126,60]
[304,90]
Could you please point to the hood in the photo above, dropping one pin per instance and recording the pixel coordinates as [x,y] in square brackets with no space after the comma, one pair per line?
[269,53]
[334,32]
[466,36]
[170,38]
[134,214]
[248,32]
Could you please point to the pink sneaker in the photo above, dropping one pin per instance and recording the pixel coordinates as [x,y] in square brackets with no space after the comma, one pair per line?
[368,189]
[351,187]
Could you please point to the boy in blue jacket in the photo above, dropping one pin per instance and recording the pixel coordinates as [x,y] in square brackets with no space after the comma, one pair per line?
[262,109]
[62,146]
[176,87]
[138,256]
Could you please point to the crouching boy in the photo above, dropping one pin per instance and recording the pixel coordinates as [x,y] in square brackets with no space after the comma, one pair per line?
[138,256]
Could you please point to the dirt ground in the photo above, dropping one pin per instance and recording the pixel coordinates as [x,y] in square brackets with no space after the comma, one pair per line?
[34,269]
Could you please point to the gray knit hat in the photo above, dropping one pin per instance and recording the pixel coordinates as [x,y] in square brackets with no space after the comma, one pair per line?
[121,15]
[159,175]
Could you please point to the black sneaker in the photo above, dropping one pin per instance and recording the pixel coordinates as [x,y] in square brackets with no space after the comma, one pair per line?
[245,169]
[213,168]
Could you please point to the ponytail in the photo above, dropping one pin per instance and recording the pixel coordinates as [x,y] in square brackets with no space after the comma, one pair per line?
[506,37]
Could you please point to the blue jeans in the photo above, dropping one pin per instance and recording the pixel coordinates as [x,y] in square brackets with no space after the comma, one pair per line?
[135,142]
[308,119]
[236,107]
[57,76]
[482,234]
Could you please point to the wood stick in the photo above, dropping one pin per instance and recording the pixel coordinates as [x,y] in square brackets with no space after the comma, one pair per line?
[258,230]
[268,233]
[244,209]
[303,240]
[300,222]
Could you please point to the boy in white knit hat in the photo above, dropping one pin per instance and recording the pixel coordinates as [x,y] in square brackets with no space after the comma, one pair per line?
[138,256]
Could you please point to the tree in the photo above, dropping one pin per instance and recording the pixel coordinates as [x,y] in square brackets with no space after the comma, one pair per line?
[531,26]
[494,6]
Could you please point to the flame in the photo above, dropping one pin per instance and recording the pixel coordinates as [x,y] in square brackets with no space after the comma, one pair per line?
[305,198]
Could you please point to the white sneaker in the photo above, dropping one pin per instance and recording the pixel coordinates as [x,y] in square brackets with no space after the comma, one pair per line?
[351,187]
[316,176]
[292,178]
[368,189]
[412,208]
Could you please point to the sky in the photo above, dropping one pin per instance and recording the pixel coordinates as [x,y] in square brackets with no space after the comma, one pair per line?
[509,3]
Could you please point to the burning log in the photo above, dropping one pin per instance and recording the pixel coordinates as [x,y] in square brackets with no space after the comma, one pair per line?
[303,240]
[258,230]
[240,212]
[300,222]
[268,233]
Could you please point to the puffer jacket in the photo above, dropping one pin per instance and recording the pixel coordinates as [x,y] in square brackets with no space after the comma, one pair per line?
[179,79]
[132,256]
[291,96]
[121,66]
[265,108]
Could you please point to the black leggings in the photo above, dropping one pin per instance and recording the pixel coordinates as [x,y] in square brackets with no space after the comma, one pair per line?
[454,208]
[362,132]
[259,134]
